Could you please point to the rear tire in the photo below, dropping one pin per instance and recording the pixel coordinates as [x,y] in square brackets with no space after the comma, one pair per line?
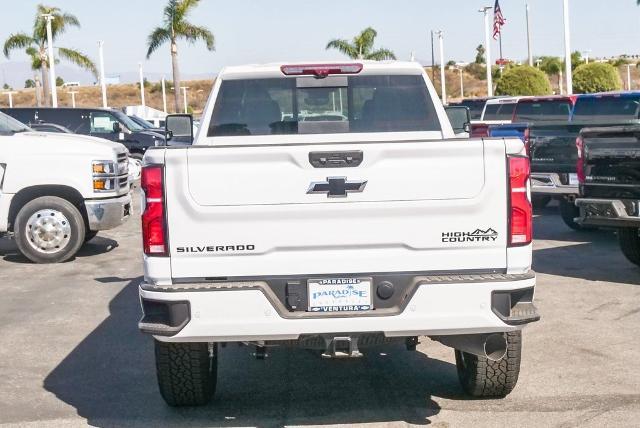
[49,229]
[629,241]
[187,372]
[483,378]
[568,212]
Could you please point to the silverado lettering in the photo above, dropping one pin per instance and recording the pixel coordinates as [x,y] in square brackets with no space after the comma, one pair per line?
[216,248]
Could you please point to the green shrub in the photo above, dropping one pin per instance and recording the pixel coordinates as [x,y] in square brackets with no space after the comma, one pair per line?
[596,77]
[523,80]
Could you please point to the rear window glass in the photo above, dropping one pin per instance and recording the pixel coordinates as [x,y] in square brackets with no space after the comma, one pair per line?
[475,108]
[499,111]
[607,108]
[302,106]
[556,110]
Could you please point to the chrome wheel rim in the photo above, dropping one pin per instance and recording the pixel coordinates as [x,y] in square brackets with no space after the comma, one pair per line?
[48,231]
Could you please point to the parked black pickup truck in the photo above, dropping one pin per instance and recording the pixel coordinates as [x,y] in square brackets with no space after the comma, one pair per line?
[609,173]
[553,147]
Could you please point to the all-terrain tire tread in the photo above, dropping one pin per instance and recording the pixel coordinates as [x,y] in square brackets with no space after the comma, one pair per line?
[483,378]
[186,373]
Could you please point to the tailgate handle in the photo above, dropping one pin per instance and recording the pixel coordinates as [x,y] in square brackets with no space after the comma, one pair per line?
[348,159]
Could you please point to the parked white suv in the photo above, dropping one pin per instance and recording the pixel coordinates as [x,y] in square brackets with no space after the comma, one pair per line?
[58,191]
[329,207]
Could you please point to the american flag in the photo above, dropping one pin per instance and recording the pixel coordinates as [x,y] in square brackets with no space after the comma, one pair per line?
[498,20]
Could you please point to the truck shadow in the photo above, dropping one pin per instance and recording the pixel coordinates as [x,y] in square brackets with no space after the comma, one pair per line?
[588,255]
[110,379]
[98,245]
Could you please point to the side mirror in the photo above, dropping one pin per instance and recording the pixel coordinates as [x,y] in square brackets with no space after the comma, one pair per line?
[179,128]
[460,118]
[117,128]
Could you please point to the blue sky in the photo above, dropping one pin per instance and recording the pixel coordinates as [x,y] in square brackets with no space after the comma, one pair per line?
[249,31]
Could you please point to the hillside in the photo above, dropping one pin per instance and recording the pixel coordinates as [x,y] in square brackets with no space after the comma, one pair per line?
[119,96]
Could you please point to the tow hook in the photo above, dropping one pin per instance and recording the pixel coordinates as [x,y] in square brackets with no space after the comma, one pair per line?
[342,347]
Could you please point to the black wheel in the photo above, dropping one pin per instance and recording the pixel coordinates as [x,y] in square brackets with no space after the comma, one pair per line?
[568,212]
[49,230]
[89,235]
[483,378]
[187,372]
[630,244]
[539,201]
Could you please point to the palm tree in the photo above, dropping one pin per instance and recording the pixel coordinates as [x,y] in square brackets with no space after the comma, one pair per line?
[35,45]
[175,26]
[362,46]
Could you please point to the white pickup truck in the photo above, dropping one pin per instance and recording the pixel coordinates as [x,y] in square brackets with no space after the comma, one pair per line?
[58,190]
[329,207]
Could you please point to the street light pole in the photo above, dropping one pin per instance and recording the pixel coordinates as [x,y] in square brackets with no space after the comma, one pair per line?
[567,47]
[529,37]
[103,84]
[443,81]
[184,97]
[52,62]
[141,84]
[433,60]
[487,48]
[461,69]
[628,77]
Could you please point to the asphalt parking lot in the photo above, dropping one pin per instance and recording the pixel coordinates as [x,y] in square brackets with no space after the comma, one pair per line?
[71,353]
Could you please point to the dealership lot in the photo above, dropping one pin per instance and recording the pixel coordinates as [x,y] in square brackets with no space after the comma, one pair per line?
[72,354]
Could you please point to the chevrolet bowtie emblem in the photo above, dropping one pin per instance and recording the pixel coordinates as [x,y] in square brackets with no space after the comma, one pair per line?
[336,187]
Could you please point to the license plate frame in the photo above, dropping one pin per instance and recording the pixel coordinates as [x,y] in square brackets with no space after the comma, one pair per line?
[340,294]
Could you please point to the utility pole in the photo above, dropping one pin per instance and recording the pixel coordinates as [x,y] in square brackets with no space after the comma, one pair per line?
[487,47]
[461,69]
[141,84]
[443,81]
[164,95]
[628,77]
[560,82]
[10,94]
[184,97]
[73,98]
[52,62]
[103,84]
[529,38]
[567,47]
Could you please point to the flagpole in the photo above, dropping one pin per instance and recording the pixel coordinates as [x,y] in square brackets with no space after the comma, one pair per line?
[485,10]
[501,56]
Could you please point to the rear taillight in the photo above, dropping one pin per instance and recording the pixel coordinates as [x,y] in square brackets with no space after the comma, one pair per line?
[580,161]
[154,236]
[520,211]
[320,70]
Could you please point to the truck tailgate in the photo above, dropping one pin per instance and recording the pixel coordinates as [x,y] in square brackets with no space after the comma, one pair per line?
[612,164]
[433,205]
